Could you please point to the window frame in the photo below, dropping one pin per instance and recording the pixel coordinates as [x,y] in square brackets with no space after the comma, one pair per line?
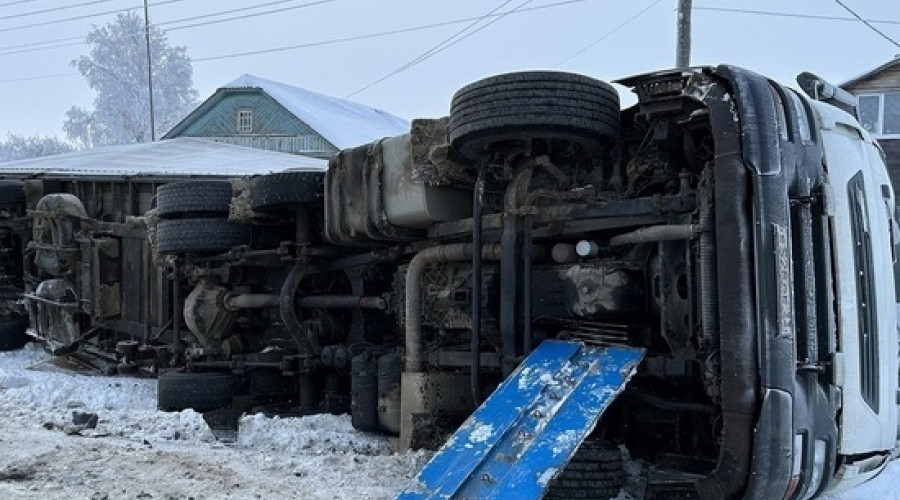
[881,100]
[245,127]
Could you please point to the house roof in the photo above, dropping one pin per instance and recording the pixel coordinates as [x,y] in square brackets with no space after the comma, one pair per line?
[341,122]
[893,62]
[180,157]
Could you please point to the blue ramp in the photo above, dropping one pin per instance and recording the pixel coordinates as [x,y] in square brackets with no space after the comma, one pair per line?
[529,428]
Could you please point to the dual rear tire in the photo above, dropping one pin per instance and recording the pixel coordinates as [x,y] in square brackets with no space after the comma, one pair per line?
[285,191]
[194,218]
[194,214]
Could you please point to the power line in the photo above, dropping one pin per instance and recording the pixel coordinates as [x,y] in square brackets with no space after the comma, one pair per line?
[608,34]
[79,40]
[792,15]
[59,42]
[42,77]
[45,42]
[873,28]
[82,17]
[242,9]
[380,34]
[334,41]
[446,43]
[17,2]
[34,47]
[243,16]
[54,9]
[432,50]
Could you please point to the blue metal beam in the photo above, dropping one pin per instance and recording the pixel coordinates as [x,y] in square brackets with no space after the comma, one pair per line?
[529,428]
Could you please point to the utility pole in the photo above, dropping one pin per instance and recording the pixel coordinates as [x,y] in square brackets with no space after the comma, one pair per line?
[149,71]
[683,43]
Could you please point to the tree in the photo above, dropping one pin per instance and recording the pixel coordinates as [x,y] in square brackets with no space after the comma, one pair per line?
[17,147]
[117,70]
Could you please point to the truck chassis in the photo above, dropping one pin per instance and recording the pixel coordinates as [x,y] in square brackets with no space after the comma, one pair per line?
[727,225]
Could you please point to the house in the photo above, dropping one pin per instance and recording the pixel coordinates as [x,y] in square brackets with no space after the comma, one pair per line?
[255,112]
[878,92]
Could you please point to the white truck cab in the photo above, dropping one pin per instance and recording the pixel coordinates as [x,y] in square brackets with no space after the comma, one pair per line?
[865,250]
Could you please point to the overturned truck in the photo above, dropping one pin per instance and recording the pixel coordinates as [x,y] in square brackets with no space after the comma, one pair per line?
[738,233]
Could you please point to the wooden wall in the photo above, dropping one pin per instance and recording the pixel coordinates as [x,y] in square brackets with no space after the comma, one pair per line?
[274,128]
[884,81]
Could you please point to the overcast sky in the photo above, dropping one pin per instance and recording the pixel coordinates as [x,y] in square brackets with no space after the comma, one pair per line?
[586,36]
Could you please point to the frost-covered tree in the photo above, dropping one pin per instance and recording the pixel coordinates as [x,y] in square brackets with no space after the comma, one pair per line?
[17,147]
[117,70]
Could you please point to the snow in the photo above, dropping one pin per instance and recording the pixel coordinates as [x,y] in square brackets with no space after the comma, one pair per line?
[17,147]
[883,487]
[532,376]
[137,452]
[565,442]
[313,435]
[116,70]
[181,157]
[481,433]
[343,123]
[546,476]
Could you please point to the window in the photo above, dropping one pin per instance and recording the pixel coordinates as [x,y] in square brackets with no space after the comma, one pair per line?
[245,121]
[891,114]
[880,113]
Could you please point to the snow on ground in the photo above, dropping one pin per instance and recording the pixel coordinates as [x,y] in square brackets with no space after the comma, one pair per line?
[884,487]
[137,452]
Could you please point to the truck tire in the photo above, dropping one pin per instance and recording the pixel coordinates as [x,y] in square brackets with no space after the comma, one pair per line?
[202,236]
[12,333]
[200,391]
[210,198]
[595,472]
[12,196]
[274,193]
[523,106]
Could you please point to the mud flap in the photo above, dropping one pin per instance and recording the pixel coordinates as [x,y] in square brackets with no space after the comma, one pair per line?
[529,428]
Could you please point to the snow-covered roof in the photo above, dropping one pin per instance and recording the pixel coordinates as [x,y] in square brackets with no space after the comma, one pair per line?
[343,123]
[171,157]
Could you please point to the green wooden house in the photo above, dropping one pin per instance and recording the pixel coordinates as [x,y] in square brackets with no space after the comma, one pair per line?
[255,112]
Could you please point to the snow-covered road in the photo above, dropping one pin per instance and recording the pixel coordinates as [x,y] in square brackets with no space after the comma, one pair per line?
[137,452]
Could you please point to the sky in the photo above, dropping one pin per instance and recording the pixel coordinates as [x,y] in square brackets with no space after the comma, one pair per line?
[606,39]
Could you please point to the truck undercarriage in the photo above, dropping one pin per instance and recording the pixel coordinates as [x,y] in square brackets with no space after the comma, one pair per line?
[408,281]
